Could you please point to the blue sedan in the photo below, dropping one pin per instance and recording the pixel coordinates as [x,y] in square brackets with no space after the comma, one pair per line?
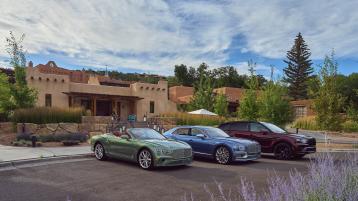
[214,143]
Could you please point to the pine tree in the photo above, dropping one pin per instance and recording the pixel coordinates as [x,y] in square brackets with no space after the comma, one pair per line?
[298,69]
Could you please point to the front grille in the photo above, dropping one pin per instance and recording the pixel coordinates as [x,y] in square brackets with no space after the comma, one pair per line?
[311,141]
[181,153]
[253,148]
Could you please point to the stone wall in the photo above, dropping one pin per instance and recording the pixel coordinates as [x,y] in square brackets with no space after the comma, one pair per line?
[89,124]
[6,128]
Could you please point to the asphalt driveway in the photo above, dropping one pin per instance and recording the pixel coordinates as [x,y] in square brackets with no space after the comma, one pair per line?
[89,179]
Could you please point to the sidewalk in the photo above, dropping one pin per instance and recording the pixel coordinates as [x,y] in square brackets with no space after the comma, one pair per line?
[9,153]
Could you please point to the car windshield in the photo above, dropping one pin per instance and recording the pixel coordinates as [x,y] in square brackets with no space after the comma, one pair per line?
[215,132]
[145,134]
[274,128]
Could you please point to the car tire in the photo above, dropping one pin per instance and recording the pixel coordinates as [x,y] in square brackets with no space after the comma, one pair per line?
[222,155]
[100,152]
[283,151]
[145,159]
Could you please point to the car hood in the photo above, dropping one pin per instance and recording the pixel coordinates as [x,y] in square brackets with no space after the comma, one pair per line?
[236,140]
[169,144]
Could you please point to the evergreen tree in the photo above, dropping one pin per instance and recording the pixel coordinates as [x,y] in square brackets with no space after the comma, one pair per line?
[221,105]
[249,107]
[23,96]
[329,102]
[298,69]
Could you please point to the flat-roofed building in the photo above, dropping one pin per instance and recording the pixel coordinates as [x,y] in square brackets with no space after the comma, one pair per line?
[101,95]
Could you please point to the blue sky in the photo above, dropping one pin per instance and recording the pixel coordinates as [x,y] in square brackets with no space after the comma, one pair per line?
[152,36]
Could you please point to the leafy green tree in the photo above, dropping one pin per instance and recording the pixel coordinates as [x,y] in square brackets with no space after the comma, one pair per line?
[329,102]
[221,105]
[274,105]
[249,107]
[228,77]
[347,86]
[6,103]
[203,96]
[23,96]
[298,69]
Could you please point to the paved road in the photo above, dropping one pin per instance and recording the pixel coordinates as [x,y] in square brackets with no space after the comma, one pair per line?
[89,179]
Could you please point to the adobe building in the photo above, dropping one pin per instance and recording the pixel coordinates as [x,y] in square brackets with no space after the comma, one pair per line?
[182,95]
[101,95]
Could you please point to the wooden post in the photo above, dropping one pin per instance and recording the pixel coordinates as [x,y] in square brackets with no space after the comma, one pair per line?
[94,105]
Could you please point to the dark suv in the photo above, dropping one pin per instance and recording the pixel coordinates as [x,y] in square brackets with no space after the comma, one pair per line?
[272,138]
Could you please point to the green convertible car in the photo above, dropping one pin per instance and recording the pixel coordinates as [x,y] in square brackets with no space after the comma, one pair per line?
[142,145]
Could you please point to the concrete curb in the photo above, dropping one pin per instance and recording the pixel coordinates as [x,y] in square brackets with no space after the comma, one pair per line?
[15,163]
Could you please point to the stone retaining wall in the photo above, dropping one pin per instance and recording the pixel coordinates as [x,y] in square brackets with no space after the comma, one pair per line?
[6,128]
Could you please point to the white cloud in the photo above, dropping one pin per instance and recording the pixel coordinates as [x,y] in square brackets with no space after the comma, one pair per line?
[155,35]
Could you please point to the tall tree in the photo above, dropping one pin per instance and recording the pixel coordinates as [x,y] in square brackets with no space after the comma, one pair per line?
[221,105]
[249,106]
[299,68]
[6,103]
[273,104]
[203,96]
[23,96]
[329,102]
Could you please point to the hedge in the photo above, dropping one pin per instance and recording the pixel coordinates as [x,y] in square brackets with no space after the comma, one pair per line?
[44,115]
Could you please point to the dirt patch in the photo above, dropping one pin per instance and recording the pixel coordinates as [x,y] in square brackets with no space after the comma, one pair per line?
[7,138]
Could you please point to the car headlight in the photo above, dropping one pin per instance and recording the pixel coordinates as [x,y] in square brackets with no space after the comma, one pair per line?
[240,148]
[301,140]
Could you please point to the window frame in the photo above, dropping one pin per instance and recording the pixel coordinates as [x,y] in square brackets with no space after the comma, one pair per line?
[151,107]
[48,100]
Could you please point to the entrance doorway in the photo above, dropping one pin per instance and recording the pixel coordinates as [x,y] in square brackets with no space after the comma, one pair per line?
[103,108]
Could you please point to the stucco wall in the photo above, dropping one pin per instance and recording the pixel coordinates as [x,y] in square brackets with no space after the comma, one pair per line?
[56,85]
[49,84]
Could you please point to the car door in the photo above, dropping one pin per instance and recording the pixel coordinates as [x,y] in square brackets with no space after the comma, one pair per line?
[200,145]
[262,135]
[240,130]
[182,134]
[122,148]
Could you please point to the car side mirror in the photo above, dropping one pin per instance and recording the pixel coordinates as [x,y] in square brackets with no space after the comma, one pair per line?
[200,136]
[124,137]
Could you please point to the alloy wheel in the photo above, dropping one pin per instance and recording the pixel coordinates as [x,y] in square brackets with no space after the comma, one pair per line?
[222,155]
[99,151]
[145,159]
[283,152]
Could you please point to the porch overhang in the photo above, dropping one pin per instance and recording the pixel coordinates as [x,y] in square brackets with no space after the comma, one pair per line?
[98,95]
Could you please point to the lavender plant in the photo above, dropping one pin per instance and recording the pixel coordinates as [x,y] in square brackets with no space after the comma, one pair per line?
[327,179]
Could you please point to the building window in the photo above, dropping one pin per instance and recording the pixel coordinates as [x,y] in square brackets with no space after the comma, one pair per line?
[48,100]
[151,107]
[300,111]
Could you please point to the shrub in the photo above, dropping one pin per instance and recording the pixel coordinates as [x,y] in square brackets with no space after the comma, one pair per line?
[306,123]
[63,137]
[24,136]
[194,119]
[327,179]
[44,115]
[350,126]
